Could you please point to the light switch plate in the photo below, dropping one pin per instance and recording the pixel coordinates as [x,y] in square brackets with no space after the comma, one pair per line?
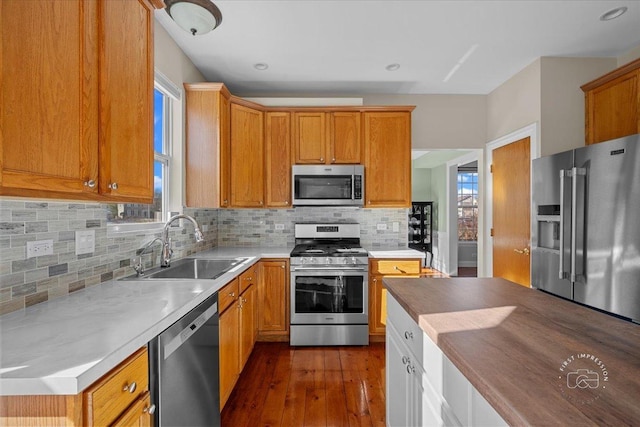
[85,242]
[279,226]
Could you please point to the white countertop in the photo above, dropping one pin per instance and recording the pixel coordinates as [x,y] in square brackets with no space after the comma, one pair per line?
[64,345]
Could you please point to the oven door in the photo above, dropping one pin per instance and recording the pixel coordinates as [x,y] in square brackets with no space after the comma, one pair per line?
[329,296]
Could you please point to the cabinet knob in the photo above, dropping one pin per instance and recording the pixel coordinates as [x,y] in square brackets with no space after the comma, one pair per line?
[225,202]
[149,409]
[282,266]
[91,183]
[232,294]
[113,186]
[260,202]
[248,278]
[286,202]
[130,387]
[375,280]
[333,160]
[322,159]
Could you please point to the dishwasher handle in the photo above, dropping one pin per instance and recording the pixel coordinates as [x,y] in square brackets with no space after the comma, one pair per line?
[189,330]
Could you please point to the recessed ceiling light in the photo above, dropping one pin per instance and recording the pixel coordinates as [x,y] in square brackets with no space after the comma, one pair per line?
[392,67]
[261,66]
[613,13]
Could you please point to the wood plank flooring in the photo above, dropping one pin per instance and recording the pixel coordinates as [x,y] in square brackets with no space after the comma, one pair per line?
[309,386]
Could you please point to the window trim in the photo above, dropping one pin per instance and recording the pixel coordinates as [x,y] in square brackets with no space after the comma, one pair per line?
[474,192]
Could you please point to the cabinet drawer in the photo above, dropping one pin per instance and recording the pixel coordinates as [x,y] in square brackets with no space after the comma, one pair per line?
[248,278]
[228,294]
[408,329]
[395,266]
[111,395]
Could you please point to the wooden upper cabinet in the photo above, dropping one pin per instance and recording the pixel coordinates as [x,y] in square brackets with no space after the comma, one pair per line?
[49,86]
[387,139]
[79,117]
[126,100]
[247,157]
[612,104]
[207,146]
[345,138]
[327,137]
[278,159]
[309,137]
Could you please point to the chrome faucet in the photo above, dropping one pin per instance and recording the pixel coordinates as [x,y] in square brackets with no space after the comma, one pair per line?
[139,265]
[165,259]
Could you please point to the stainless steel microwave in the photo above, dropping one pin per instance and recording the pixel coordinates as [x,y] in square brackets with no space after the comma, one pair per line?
[328,185]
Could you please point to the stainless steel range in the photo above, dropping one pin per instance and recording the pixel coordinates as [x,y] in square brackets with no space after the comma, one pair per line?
[329,286]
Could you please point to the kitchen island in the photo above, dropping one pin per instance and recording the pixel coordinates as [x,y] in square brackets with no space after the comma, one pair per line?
[535,358]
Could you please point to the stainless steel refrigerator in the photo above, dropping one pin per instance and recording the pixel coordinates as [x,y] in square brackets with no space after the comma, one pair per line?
[586,234]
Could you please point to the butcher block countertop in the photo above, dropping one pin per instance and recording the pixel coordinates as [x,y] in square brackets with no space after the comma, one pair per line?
[519,346]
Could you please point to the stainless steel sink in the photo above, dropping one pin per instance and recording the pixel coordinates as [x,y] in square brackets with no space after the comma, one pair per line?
[191,268]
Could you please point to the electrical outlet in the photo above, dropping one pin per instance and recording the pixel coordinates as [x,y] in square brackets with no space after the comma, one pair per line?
[85,242]
[396,227]
[381,226]
[279,226]
[39,248]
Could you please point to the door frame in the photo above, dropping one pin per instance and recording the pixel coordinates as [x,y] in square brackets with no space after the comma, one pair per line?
[451,261]
[532,131]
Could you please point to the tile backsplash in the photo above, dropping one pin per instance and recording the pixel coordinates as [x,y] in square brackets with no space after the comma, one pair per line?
[28,281]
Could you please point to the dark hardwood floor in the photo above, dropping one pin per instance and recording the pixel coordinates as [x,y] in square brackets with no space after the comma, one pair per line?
[309,386]
[467,272]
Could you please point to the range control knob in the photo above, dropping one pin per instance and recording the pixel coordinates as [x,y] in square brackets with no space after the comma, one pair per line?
[353,260]
[328,260]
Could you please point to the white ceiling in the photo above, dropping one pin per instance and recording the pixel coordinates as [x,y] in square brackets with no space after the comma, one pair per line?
[342,47]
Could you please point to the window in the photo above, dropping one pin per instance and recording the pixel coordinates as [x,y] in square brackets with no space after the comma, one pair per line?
[156,212]
[467,204]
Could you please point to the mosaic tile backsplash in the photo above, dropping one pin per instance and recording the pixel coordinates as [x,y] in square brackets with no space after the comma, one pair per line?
[28,281]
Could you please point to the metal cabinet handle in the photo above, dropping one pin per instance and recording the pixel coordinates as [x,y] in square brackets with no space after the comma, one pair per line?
[408,335]
[130,388]
[525,251]
[113,186]
[149,409]
[91,183]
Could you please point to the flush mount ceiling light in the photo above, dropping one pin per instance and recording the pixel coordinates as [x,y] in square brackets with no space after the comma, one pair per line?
[195,16]
[613,13]
[261,66]
[392,67]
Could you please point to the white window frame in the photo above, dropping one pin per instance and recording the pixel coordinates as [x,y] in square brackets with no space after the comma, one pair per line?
[477,192]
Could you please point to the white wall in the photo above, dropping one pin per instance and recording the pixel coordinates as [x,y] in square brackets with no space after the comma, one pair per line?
[420,184]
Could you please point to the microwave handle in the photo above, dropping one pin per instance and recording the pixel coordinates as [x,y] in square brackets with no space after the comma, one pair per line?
[353,187]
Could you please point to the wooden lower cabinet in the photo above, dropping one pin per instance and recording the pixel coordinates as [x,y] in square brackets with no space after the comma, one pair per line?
[379,269]
[238,328]
[273,300]
[121,398]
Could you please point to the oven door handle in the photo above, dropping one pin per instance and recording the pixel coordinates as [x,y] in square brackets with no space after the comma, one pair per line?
[323,269]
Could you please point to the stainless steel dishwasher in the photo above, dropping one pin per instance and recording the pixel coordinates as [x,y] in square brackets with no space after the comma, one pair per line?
[184,369]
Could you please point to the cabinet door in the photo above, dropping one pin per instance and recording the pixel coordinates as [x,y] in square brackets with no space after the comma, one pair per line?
[229,351]
[387,138]
[399,407]
[345,138]
[309,138]
[225,151]
[137,415]
[49,86]
[247,157]
[278,159]
[207,146]
[126,100]
[612,109]
[377,306]
[273,297]
[247,324]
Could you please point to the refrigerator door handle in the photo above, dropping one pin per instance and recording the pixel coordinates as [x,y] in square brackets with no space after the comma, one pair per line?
[578,176]
[562,274]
